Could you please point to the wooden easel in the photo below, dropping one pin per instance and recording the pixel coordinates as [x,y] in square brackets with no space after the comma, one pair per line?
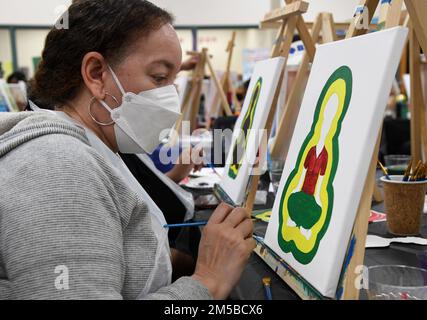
[391,14]
[285,131]
[226,83]
[356,248]
[390,17]
[192,99]
[291,20]
[417,39]
[325,23]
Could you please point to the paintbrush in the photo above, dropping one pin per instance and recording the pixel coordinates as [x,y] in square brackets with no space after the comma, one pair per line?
[424,176]
[417,168]
[211,166]
[407,171]
[267,288]
[419,173]
[415,171]
[384,170]
[422,173]
[189,224]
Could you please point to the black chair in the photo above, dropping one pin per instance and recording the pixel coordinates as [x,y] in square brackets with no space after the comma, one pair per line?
[219,141]
[396,137]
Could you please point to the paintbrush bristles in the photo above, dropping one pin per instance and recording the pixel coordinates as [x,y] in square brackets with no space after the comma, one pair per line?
[266,281]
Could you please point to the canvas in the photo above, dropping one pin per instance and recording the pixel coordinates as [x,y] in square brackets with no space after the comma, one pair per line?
[330,153]
[246,137]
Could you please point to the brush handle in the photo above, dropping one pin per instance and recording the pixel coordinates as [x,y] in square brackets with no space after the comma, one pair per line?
[267,290]
[190,224]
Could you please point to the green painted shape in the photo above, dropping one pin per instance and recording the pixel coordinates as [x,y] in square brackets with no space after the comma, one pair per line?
[246,126]
[304,210]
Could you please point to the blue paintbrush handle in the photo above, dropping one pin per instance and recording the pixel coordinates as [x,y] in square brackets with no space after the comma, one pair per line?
[190,224]
[268,295]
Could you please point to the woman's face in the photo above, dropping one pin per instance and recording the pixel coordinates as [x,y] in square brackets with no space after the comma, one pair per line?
[153,61]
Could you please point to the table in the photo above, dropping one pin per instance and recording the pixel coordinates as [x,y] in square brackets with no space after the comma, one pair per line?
[250,285]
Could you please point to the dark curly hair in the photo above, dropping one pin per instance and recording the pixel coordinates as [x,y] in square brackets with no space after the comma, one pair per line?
[105,26]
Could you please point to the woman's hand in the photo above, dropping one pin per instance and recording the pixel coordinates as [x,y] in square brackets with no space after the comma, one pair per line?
[191,158]
[224,249]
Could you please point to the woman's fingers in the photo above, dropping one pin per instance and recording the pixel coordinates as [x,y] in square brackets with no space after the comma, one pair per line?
[224,250]
[245,228]
[250,243]
[221,212]
[236,217]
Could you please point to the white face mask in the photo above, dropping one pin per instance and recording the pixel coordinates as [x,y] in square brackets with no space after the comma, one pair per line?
[140,122]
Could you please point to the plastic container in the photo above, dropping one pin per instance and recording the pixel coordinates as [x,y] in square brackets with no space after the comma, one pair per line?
[396,282]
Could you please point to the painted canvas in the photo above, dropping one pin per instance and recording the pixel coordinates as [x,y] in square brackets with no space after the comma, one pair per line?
[246,137]
[330,153]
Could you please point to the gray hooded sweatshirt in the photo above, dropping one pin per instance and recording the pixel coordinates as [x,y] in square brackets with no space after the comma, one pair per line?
[70,227]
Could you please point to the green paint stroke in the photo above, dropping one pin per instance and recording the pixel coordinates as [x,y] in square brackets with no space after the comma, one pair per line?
[239,148]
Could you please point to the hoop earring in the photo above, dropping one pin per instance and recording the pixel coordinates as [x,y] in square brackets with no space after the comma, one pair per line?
[93,118]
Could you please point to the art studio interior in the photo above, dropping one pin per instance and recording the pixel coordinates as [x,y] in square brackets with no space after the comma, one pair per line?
[213,150]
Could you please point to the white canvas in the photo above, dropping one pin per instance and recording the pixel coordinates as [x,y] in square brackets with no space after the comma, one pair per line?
[327,183]
[256,107]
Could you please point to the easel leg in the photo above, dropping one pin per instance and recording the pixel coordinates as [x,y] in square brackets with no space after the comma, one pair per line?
[219,88]
[416,96]
[360,230]
[279,38]
[254,180]
[417,11]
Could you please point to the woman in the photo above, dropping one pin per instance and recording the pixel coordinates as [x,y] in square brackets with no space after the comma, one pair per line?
[74,222]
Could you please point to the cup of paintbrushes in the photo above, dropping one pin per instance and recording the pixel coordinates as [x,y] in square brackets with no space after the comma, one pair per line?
[404,202]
